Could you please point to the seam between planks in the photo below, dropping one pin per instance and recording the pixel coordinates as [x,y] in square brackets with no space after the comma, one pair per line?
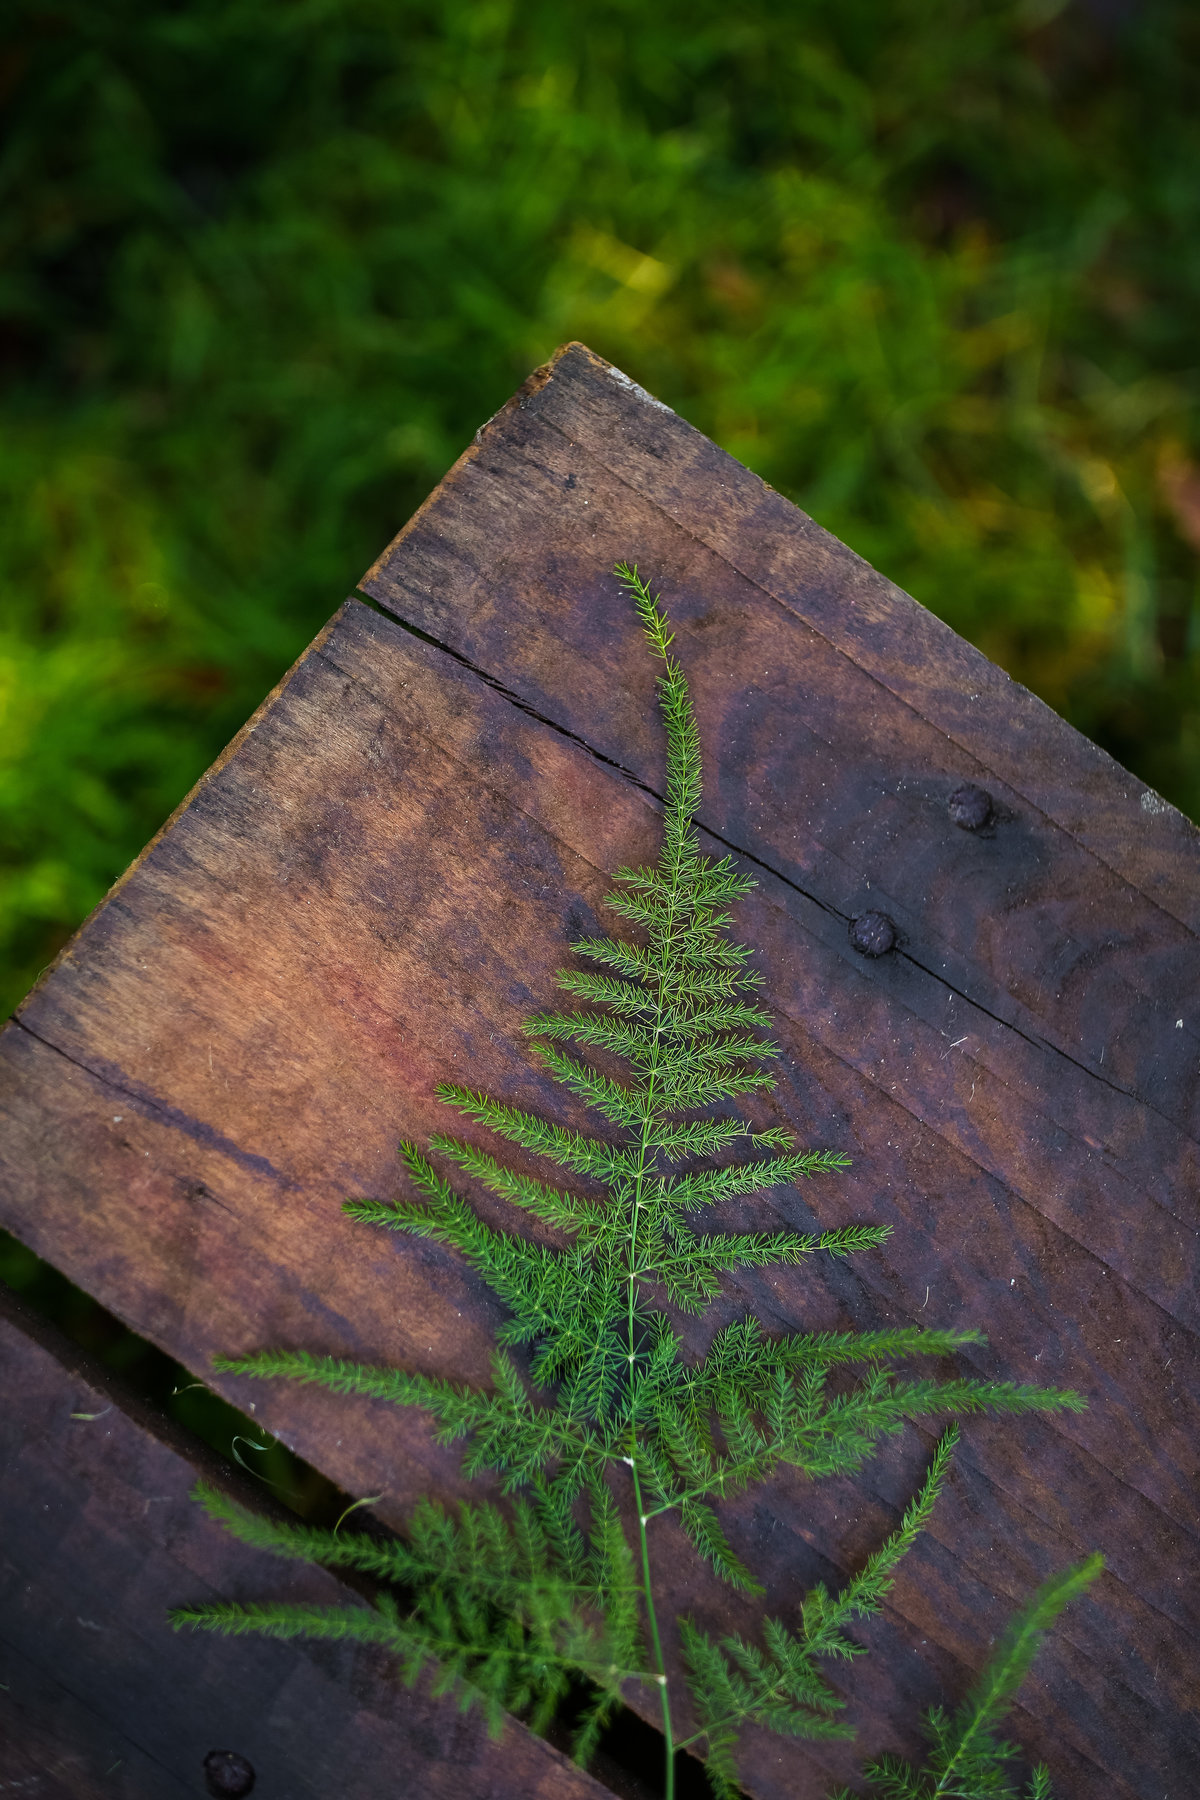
[1019,1199]
[166,1114]
[863,1074]
[489,680]
[981,1469]
[788,607]
[522,451]
[1032,1039]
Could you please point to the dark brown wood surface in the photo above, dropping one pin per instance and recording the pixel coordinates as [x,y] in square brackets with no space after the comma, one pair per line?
[377,884]
[100,1697]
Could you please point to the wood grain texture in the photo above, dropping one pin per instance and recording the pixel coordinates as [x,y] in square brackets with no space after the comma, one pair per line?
[101,1697]
[374,888]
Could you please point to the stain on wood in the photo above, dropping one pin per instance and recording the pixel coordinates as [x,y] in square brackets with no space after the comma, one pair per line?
[377,884]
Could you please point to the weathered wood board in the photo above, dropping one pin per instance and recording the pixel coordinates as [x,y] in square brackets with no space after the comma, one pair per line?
[99,1697]
[377,884]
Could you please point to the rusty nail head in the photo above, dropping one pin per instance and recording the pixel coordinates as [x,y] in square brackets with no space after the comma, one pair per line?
[971,807]
[873,934]
[228,1775]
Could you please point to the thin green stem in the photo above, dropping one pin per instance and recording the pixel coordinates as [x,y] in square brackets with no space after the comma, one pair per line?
[648,1125]
[699,1493]
[777,1692]
[647,1588]
[977,1725]
[655,1640]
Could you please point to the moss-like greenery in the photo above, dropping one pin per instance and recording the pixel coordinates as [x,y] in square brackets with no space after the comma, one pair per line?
[930,266]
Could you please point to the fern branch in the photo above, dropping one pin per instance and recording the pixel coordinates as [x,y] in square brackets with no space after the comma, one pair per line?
[514,1608]
[967,1761]
[630,960]
[587,1156]
[564,1211]
[708,1187]
[623,1106]
[734,1683]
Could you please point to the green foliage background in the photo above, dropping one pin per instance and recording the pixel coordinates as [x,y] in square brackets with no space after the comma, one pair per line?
[930,266]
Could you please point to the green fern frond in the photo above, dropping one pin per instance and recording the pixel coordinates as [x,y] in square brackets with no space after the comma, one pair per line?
[702,1086]
[515,1564]
[596,1029]
[339,1375]
[703,1531]
[967,1761]
[564,1211]
[587,1156]
[690,1267]
[702,1137]
[734,1683]
[265,1619]
[622,1106]
[830,1348]
[630,960]
[922,1398]
[708,1187]
[512,1608]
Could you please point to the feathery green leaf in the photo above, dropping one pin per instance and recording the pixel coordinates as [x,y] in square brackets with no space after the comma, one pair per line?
[513,1607]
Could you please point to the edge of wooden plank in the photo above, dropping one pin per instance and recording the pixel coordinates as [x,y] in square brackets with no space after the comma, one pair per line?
[214,768]
[1110,812]
[101,1697]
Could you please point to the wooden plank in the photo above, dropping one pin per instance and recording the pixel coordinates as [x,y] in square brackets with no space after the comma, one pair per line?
[100,1697]
[845,716]
[369,895]
[622,438]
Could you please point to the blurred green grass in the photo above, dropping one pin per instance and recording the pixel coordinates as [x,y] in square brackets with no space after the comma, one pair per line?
[930,266]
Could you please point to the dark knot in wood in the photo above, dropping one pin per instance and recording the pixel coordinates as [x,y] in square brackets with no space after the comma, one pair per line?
[873,934]
[228,1774]
[971,807]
